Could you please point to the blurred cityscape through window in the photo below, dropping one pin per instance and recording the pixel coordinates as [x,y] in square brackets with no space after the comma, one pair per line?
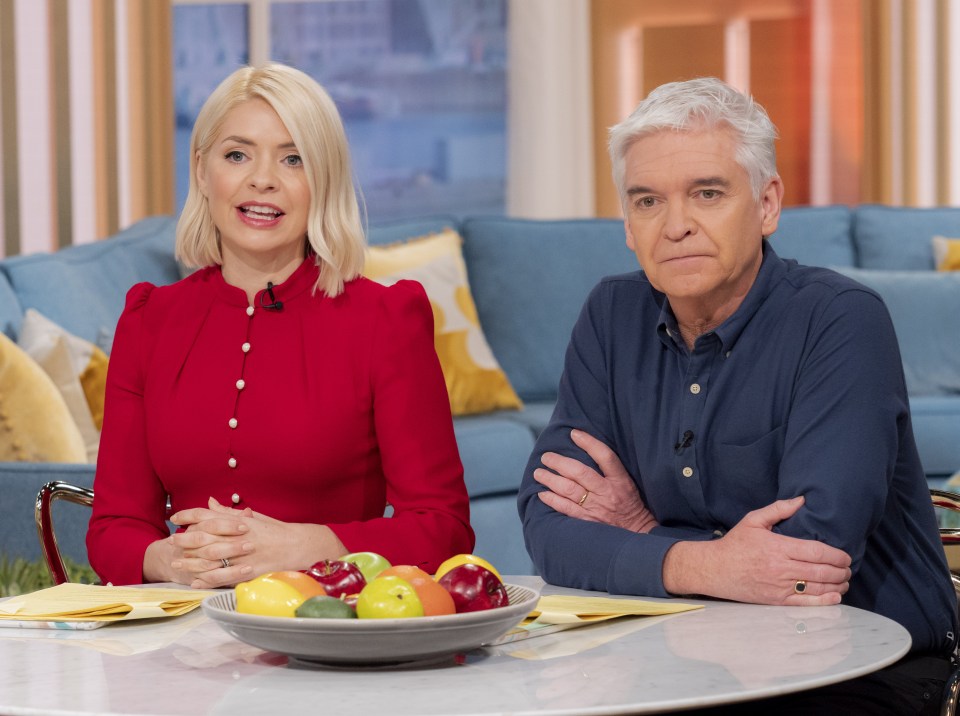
[420,84]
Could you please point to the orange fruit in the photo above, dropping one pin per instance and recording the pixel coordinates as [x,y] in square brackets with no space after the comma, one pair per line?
[435,599]
[303,583]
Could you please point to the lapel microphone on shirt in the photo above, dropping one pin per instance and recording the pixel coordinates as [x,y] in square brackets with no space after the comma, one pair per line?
[684,443]
[274,304]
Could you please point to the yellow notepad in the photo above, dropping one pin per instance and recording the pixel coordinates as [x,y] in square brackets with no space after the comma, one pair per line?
[557,612]
[565,609]
[98,604]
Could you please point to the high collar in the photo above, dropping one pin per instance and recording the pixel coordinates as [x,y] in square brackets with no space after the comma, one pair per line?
[300,281]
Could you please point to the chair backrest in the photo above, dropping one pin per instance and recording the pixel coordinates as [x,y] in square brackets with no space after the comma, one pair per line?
[50,493]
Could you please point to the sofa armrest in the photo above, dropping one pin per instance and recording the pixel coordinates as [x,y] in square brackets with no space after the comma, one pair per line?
[19,484]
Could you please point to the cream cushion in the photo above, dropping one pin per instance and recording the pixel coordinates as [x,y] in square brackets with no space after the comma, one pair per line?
[77,368]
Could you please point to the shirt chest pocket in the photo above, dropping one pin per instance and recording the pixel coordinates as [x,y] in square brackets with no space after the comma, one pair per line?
[745,471]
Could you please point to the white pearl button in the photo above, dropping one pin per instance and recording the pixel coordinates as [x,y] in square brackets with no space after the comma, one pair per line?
[249,310]
[232,423]
[232,462]
[240,384]
[235,498]
[245,347]
[695,388]
[687,472]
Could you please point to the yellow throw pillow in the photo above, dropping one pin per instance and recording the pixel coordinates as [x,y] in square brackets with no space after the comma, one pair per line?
[35,423]
[77,367]
[475,381]
[946,253]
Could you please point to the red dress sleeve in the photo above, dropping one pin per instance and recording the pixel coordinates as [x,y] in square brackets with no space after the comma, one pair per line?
[418,449]
[129,501]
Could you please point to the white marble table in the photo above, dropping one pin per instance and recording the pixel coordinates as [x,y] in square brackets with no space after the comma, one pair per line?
[188,665]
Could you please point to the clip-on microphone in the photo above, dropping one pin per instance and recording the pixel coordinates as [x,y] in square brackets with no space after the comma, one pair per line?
[274,304]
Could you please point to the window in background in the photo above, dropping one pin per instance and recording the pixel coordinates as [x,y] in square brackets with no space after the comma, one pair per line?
[420,84]
[209,42]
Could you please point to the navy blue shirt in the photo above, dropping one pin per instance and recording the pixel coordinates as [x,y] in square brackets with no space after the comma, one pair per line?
[799,392]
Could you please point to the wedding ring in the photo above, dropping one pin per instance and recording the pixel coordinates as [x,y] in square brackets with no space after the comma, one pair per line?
[584,498]
[226,563]
[800,587]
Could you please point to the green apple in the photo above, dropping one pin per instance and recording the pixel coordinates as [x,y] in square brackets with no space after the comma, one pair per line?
[389,597]
[369,563]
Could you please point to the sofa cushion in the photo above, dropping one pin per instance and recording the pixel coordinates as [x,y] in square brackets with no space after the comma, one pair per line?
[899,238]
[924,306]
[535,415]
[494,450]
[815,236]
[77,367]
[936,425]
[530,279]
[475,382]
[391,232]
[500,534]
[21,481]
[946,253]
[82,288]
[35,422]
[11,313]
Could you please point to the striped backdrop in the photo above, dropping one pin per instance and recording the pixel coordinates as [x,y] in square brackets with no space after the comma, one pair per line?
[86,119]
[86,113]
[912,97]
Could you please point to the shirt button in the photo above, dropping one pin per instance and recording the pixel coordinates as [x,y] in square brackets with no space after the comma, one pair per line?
[727,354]
[232,423]
[240,384]
[249,310]
[695,388]
[235,498]
[232,462]
[687,472]
[245,347]
[718,533]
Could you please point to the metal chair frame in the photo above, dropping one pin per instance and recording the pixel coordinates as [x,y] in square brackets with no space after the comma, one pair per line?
[50,493]
[949,536]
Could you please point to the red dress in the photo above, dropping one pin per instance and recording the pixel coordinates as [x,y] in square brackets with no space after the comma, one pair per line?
[325,411]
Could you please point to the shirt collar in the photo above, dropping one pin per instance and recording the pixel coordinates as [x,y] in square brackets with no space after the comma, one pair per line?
[772,270]
[299,281]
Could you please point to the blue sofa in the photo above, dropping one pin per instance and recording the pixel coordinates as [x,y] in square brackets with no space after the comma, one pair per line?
[529,279]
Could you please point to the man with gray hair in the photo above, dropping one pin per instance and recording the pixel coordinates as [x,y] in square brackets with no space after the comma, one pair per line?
[732,424]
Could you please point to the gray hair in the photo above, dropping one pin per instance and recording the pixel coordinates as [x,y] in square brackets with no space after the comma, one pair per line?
[703,102]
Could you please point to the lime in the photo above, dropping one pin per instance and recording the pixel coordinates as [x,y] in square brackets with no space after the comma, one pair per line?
[325,608]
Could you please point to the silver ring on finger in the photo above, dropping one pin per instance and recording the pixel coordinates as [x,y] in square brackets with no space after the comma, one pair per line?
[225,562]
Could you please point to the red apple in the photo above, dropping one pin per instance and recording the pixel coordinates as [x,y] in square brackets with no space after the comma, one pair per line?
[474,588]
[337,577]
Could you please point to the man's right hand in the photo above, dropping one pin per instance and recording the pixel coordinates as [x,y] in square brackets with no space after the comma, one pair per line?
[751,563]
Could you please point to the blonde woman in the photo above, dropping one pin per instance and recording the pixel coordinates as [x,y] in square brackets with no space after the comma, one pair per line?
[280,400]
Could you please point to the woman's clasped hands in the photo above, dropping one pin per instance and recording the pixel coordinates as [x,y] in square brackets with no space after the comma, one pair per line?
[220,546]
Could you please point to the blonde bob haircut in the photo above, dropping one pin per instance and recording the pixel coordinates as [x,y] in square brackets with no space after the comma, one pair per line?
[335,234]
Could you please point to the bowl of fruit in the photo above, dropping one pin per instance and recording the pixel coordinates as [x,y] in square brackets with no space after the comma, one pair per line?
[361,610]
